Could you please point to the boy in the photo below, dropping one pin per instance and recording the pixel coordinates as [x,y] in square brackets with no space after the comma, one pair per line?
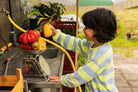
[98,72]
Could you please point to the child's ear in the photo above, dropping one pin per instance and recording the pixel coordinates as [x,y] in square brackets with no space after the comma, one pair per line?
[93,34]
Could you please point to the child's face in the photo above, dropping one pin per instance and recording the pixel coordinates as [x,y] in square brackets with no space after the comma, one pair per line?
[89,33]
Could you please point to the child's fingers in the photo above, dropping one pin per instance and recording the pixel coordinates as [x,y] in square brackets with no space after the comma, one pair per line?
[53,30]
[54,78]
[53,81]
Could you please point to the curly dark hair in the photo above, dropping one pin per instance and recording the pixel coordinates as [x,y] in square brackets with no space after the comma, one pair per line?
[103,22]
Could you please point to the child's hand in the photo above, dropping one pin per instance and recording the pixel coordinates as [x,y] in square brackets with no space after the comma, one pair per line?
[53,30]
[55,78]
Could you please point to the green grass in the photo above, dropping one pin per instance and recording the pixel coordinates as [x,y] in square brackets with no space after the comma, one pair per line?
[121,39]
[128,54]
[121,51]
[81,59]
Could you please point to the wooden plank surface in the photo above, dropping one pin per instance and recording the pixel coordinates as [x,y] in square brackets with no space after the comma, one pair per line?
[9,80]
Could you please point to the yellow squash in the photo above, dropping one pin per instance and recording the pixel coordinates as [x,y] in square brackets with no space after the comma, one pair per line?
[47,31]
[42,44]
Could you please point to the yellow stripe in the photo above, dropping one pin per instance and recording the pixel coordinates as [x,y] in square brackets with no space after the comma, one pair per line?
[102,87]
[93,84]
[77,47]
[74,80]
[94,67]
[88,89]
[63,39]
[109,65]
[84,75]
[88,56]
[84,48]
[106,77]
[61,80]
[103,57]
[110,86]
[57,35]
[94,52]
[70,44]
[65,80]
[91,42]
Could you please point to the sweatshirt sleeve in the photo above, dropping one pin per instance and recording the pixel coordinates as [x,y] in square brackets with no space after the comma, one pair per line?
[83,75]
[71,43]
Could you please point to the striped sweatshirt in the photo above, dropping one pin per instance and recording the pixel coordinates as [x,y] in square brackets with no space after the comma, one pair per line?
[98,72]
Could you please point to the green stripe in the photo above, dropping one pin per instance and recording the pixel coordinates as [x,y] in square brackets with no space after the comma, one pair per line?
[61,80]
[109,65]
[87,89]
[101,87]
[94,67]
[70,44]
[88,56]
[105,56]
[94,52]
[63,37]
[77,47]
[57,35]
[74,80]
[66,81]
[84,75]
[84,48]
[106,77]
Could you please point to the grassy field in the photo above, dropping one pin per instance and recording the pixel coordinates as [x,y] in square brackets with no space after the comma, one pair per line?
[127,21]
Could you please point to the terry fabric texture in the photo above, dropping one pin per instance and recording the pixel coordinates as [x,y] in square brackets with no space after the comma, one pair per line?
[98,72]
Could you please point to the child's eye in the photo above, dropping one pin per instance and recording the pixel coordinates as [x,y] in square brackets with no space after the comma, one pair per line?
[86,28]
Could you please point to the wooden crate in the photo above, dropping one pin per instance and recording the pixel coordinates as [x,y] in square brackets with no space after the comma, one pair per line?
[66,27]
[15,81]
[132,35]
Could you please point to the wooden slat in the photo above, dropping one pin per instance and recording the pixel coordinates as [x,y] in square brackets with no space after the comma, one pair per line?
[19,86]
[15,81]
[9,80]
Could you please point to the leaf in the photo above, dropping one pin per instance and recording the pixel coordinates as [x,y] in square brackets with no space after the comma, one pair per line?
[34,13]
[40,19]
[51,18]
[46,15]
[51,11]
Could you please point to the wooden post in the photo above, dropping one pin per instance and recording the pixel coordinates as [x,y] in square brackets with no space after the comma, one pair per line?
[77,25]
[112,6]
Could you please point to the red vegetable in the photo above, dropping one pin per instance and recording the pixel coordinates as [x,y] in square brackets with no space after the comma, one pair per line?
[25,46]
[25,70]
[37,33]
[29,37]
